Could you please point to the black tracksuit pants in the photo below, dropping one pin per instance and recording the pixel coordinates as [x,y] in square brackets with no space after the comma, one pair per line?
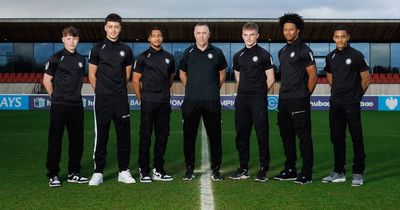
[249,111]
[157,116]
[62,116]
[341,116]
[114,108]
[192,111]
[294,119]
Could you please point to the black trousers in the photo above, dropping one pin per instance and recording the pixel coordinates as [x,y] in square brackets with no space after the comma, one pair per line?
[294,119]
[249,111]
[192,111]
[62,116]
[341,116]
[114,108]
[157,116]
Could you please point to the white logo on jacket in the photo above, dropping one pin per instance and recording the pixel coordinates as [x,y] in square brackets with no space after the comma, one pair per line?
[210,56]
[167,61]
[348,61]
[80,64]
[255,59]
[122,53]
[292,54]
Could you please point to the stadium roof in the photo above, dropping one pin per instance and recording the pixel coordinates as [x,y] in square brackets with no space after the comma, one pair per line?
[181,30]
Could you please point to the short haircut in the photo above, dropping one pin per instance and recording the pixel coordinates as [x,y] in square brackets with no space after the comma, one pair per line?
[340,28]
[250,26]
[202,24]
[113,18]
[292,18]
[155,28]
[70,30]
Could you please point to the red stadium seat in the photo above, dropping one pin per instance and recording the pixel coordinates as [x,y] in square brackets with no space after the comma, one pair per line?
[6,75]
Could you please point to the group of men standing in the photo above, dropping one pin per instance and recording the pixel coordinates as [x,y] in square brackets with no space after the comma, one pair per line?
[202,71]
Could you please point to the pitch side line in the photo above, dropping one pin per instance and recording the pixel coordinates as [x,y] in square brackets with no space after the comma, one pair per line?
[206,194]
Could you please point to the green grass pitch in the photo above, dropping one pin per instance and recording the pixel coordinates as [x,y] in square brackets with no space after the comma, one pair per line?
[23,145]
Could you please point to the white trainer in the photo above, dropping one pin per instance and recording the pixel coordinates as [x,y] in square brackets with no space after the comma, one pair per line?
[97,178]
[126,177]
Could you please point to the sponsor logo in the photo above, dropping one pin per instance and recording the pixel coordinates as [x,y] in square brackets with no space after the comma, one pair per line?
[348,61]
[255,59]
[391,103]
[39,102]
[272,102]
[122,53]
[80,64]
[167,61]
[84,102]
[292,54]
[210,56]
[13,102]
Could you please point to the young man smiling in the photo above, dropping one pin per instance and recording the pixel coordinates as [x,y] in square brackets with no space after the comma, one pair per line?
[152,78]
[348,75]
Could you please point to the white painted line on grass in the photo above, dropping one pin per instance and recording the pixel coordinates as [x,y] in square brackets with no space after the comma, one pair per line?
[206,194]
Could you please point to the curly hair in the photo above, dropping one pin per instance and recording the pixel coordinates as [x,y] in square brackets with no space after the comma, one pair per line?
[292,18]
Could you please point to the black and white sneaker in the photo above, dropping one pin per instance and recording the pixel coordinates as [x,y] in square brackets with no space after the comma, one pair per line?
[144,176]
[261,175]
[188,174]
[302,179]
[77,178]
[241,173]
[286,175]
[216,176]
[54,182]
[161,175]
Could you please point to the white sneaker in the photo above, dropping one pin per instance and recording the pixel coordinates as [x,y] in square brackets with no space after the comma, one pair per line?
[126,177]
[97,178]
[161,175]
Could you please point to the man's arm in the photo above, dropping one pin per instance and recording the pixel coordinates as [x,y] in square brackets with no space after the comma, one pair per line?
[365,80]
[222,75]
[136,85]
[171,80]
[47,83]
[183,77]
[270,78]
[312,77]
[128,70]
[92,75]
[237,76]
[329,78]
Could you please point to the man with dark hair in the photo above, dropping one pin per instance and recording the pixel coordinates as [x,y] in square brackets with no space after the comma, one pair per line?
[347,74]
[152,79]
[202,71]
[110,65]
[254,74]
[63,80]
[298,80]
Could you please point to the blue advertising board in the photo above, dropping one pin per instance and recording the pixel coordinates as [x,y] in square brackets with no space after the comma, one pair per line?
[389,103]
[43,102]
[14,102]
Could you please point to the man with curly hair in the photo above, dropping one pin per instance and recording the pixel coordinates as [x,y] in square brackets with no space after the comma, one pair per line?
[298,79]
